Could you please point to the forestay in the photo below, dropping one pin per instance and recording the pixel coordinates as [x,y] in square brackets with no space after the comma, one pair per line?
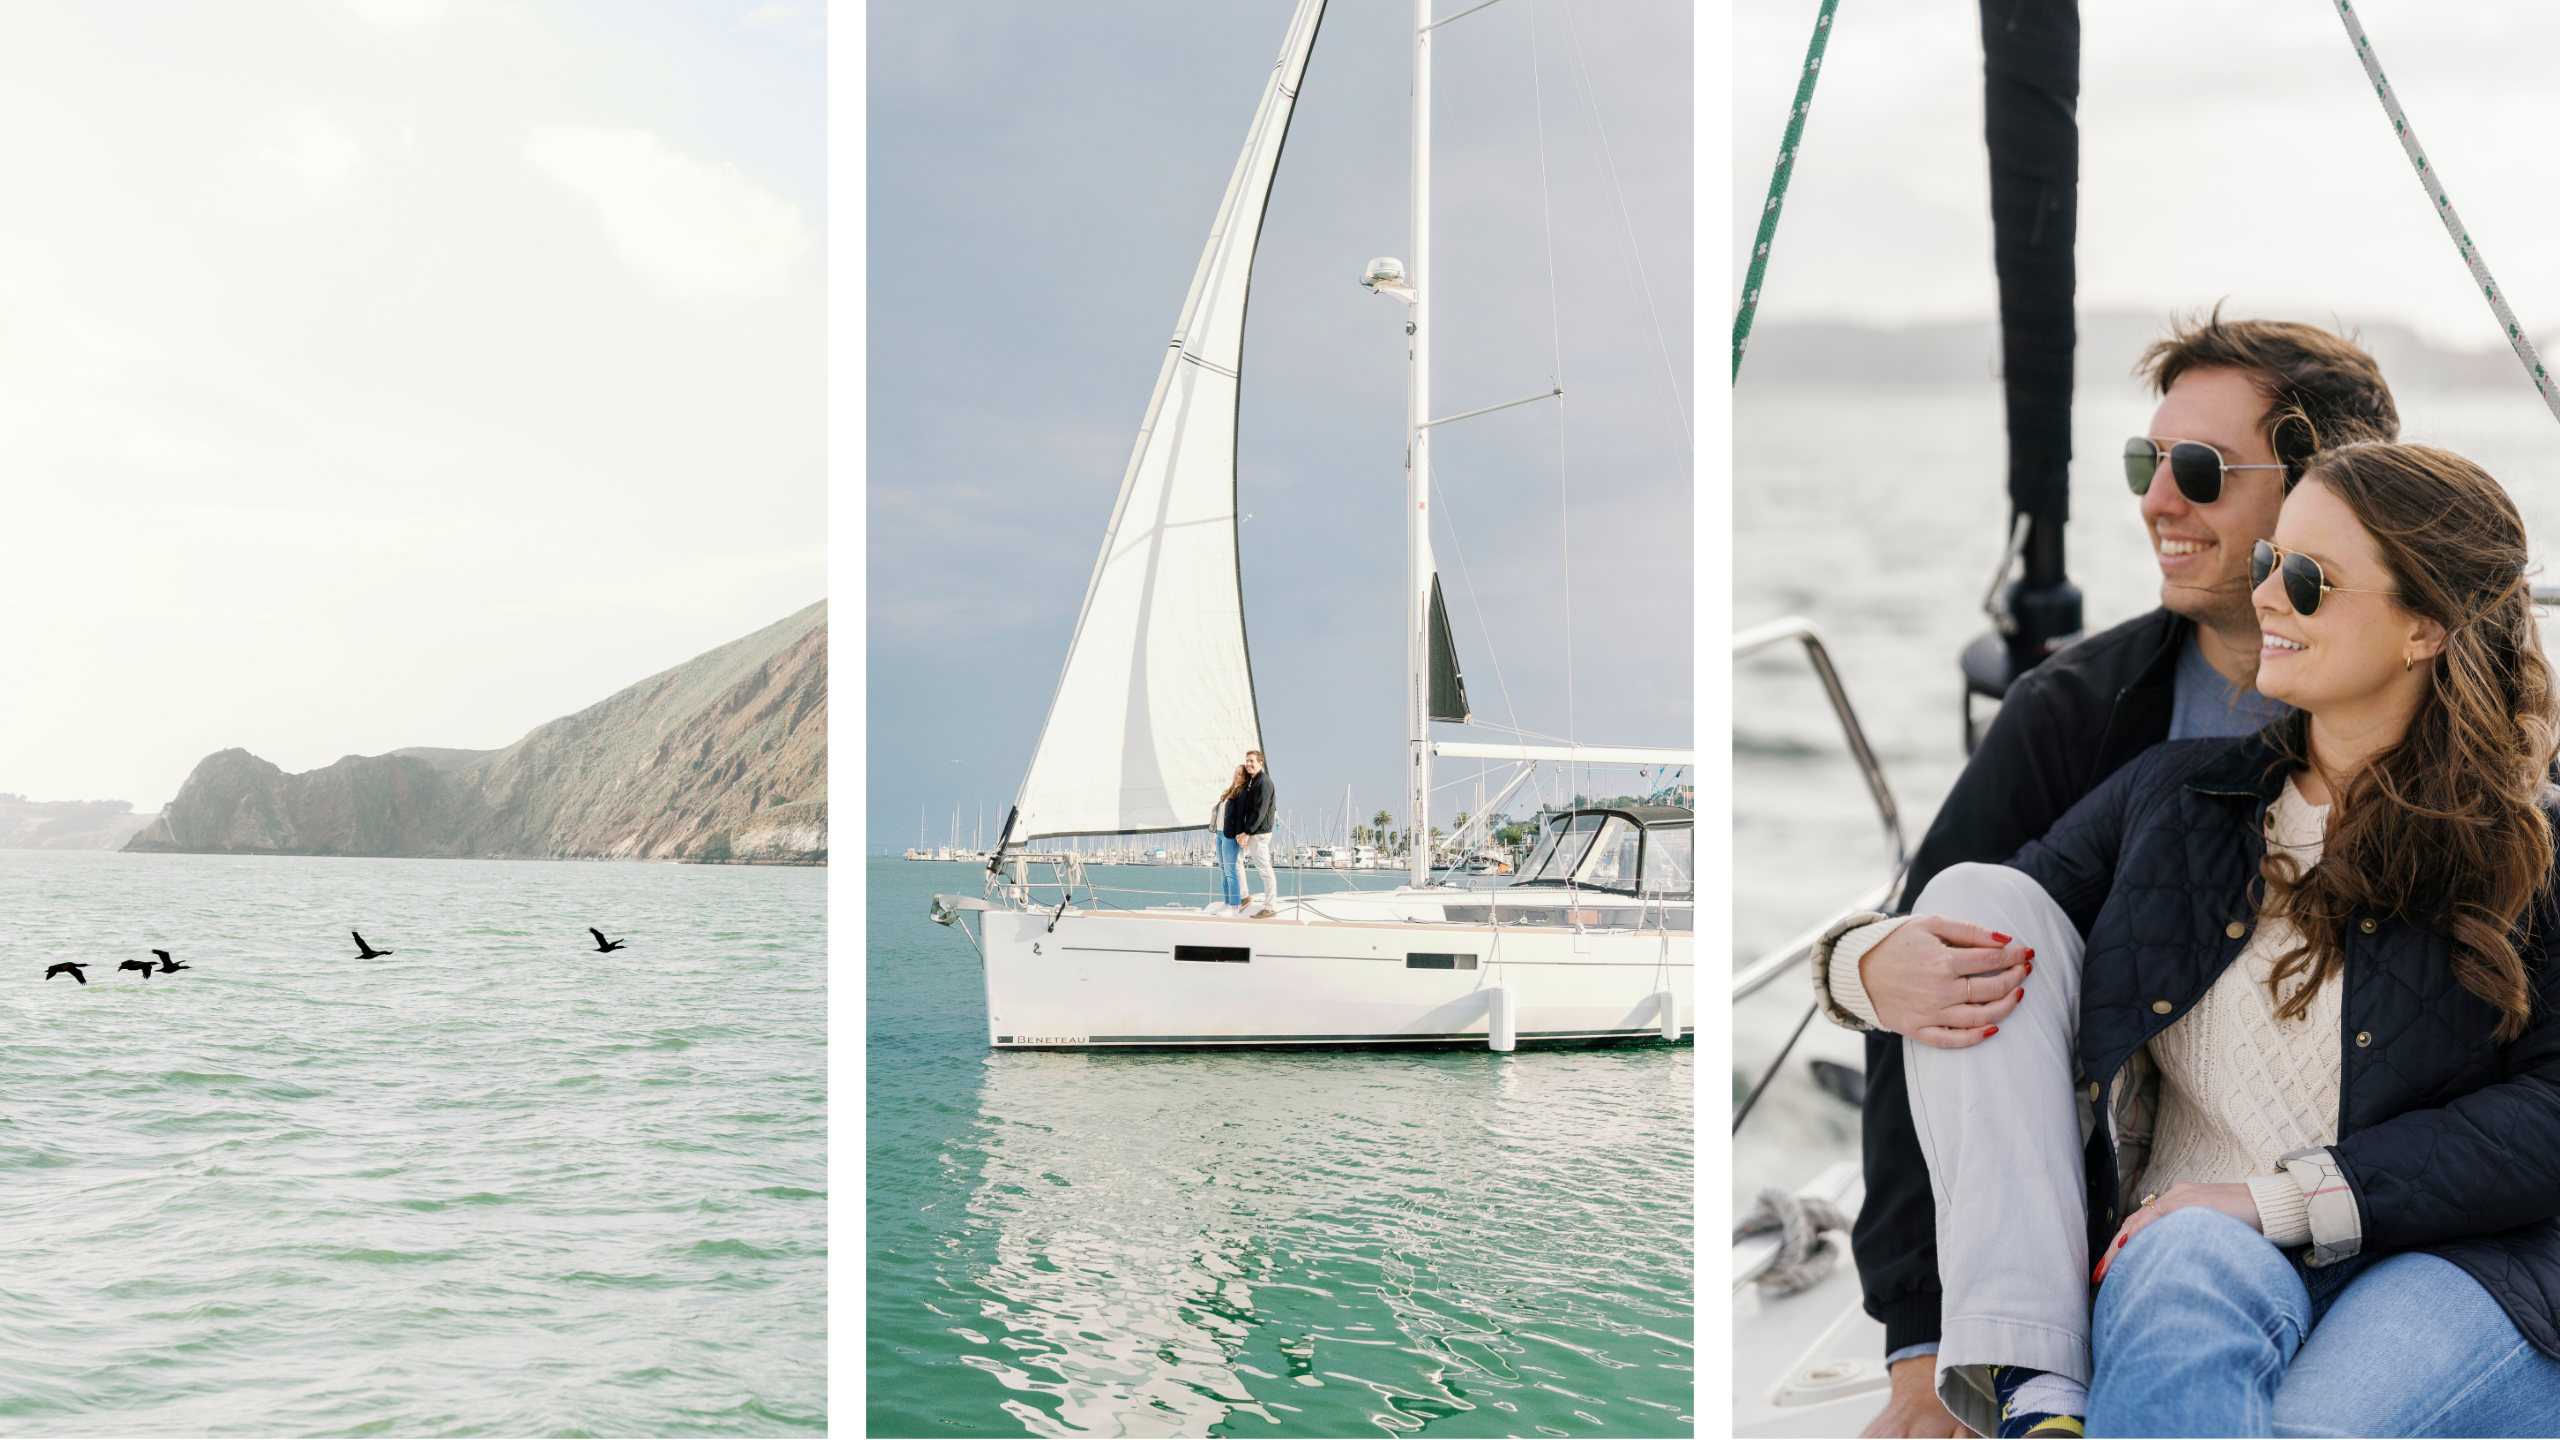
[1155,706]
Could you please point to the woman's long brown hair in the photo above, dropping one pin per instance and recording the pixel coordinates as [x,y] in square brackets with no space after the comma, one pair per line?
[1235,786]
[2445,827]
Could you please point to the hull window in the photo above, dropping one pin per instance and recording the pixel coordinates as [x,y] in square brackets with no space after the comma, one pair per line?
[1417,961]
[1222,954]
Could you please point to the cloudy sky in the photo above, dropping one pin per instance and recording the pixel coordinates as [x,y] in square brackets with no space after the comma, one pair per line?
[1041,182]
[395,372]
[2226,150]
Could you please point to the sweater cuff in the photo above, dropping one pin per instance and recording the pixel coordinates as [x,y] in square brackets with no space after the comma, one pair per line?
[1821,967]
[2337,1226]
[2283,1215]
[1844,991]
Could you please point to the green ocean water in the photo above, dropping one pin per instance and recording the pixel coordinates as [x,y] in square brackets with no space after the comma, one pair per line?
[1458,1243]
[492,1184]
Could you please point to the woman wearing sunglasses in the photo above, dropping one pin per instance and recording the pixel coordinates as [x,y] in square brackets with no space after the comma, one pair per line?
[2293,1005]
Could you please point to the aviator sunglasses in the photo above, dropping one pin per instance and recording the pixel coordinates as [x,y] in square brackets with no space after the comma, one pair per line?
[2304,584]
[2197,468]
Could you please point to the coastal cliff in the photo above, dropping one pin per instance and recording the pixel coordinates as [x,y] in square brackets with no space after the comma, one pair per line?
[722,759]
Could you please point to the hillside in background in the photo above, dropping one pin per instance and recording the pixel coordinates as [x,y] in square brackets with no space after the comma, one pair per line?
[1960,351]
[66,824]
[721,759]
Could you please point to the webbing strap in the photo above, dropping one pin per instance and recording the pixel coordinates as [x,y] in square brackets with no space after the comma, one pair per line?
[1778,185]
[2542,380]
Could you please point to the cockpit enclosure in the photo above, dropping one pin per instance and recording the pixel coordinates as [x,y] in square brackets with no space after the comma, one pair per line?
[1645,850]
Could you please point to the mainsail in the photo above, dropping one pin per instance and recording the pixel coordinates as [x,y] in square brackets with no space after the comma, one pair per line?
[1155,706]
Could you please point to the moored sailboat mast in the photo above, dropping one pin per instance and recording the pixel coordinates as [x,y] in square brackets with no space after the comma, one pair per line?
[1417,467]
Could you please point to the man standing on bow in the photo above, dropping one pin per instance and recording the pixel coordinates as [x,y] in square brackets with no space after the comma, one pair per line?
[2243,404]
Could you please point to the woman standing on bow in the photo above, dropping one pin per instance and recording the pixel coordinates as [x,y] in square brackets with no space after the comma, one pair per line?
[1230,875]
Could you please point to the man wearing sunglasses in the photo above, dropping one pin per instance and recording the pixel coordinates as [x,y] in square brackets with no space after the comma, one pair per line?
[2243,404]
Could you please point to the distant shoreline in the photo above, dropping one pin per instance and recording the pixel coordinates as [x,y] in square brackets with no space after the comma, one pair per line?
[316,855]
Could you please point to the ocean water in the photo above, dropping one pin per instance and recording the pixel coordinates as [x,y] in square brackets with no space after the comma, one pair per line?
[1880,513]
[491,1184]
[1260,1244]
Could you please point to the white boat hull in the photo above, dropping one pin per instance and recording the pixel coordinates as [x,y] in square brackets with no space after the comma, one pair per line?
[1337,970]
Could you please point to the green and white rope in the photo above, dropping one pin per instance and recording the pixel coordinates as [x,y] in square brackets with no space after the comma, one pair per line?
[1778,185]
[2516,337]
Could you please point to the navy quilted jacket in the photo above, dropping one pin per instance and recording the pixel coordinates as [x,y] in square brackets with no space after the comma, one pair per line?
[2449,1141]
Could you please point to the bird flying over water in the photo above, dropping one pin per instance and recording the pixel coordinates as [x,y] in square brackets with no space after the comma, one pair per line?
[169,966]
[602,944]
[369,951]
[142,965]
[70,968]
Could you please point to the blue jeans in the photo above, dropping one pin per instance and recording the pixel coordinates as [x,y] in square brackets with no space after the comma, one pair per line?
[1230,872]
[2204,1328]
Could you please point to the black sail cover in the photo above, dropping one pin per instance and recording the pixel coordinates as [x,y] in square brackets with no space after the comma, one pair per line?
[1448,687]
[2031,97]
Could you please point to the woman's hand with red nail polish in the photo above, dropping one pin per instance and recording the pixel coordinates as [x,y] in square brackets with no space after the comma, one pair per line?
[1943,982]
[2231,1199]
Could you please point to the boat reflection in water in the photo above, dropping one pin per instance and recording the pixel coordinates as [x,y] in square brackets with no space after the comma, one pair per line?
[1165,1242]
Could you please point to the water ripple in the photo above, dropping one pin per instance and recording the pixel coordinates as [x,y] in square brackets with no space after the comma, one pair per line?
[1277,1244]
[481,1187]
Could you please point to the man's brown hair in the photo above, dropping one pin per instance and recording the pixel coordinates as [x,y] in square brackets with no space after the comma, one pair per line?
[2322,388]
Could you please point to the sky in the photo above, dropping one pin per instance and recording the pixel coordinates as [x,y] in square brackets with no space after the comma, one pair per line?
[2226,151]
[378,373]
[1041,181]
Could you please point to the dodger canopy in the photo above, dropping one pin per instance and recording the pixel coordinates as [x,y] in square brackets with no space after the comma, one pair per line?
[1631,850]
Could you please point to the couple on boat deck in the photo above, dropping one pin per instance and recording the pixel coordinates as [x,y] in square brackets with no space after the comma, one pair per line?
[2226,985]
[1243,816]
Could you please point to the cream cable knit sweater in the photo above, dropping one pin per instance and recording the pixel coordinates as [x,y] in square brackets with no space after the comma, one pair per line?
[2239,1088]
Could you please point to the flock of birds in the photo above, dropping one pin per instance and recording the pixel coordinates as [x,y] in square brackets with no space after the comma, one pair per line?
[76,968]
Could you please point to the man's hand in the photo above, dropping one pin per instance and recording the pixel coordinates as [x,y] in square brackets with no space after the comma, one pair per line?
[2231,1199]
[1943,982]
[1915,1409]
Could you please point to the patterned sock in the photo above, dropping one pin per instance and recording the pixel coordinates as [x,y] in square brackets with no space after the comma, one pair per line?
[2038,1402]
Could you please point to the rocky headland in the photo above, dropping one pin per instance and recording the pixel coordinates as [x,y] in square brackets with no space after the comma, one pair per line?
[722,759]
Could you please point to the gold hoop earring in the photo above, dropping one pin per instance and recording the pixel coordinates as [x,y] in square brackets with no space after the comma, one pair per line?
[2406,662]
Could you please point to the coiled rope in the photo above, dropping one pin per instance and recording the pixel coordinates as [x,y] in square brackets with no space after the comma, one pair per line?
[2444,211]
[1778,185]
[1799,1220]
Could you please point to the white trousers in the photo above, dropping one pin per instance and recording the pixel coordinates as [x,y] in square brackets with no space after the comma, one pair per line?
[1257,849]
[2000,1126]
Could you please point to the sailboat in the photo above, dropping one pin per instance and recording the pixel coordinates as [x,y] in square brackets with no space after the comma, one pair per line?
[1155,706]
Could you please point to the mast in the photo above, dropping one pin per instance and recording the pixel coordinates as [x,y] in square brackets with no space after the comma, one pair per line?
[2031,93]
[1417,474]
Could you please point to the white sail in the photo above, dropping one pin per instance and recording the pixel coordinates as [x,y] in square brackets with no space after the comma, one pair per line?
[1155,707]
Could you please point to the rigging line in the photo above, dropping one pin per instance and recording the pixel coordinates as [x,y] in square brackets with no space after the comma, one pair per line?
[1555,324]
[1471,779]
[2542,380]
[1591,97]
[1778,178]
[1515,730]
